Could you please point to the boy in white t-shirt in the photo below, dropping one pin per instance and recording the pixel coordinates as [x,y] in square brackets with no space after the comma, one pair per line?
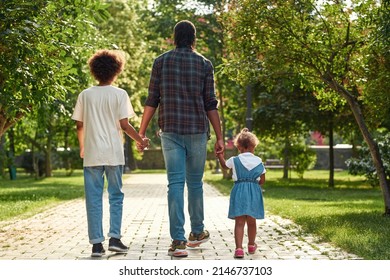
[101,114]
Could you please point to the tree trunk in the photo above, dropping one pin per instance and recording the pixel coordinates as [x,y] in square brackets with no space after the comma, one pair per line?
[35,162]
[67,163]
[331,152]
[249,118]
[6,122]
[131,163]
[372,145]
[226,174]
[221,112]
[48,164]
[286,159]
[2,156]
[11,155]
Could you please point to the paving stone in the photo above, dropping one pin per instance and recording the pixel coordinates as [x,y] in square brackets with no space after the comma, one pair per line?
[61,232]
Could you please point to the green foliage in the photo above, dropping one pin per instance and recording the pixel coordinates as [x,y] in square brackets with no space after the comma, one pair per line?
[283,109]
[322,45]
[126,30]
[332,45]
[66,33]
[363,165]
[43,45]
[302,158]
[269,147]
[377,97]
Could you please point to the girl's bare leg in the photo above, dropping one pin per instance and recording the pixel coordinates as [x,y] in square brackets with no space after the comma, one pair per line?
[239,230]
[252,229]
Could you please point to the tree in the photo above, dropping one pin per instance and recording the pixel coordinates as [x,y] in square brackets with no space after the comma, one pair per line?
[327,43]
[285,112]
[126,29]
[42,60]
[42,42]
[363,164]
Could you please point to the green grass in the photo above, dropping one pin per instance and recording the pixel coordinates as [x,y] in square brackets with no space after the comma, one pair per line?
[26,196]
[349,216]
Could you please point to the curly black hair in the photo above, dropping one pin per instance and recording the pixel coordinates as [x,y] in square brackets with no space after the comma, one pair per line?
[105,65]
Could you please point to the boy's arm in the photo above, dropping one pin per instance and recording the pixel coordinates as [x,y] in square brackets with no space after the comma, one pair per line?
[131,132]
[80,137]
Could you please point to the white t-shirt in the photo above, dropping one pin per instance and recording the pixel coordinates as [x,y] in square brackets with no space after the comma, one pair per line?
[248,160]
[100,108]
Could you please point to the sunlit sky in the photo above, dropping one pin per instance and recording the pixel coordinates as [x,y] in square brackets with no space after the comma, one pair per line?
[204,9]
[190,4]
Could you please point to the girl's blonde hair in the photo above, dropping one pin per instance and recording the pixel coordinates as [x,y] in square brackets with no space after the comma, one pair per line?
[246,139]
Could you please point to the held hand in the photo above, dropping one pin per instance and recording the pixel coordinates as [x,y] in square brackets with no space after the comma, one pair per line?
[144,145]
[220,155]
[219,147]
[140,146]
[82,153]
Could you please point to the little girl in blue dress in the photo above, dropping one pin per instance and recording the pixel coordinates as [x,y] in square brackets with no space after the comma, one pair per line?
[246,198]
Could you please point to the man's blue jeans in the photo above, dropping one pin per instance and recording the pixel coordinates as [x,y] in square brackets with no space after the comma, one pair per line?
[94,186]
[185,157]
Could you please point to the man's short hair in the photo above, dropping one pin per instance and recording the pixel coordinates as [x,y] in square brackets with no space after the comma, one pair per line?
[184,34]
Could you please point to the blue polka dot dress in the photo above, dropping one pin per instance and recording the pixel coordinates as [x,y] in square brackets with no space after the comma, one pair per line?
[246,197]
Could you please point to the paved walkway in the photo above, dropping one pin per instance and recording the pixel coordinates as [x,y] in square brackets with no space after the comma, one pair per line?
[61,232]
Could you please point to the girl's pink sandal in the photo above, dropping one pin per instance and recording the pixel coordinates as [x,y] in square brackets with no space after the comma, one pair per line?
[252,248]
[239,253]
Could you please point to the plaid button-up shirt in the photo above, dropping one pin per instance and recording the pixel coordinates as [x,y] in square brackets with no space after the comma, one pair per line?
[182,86]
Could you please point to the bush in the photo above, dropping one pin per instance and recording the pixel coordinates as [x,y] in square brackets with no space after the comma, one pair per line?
[363,165]
[302,158]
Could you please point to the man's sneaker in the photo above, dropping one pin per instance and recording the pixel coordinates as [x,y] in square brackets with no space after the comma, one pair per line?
[97,250]
[178,249]
[194,240]
[116,245]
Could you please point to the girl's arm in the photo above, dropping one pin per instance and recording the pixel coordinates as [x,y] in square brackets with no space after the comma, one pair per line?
[222,160]
[262,179]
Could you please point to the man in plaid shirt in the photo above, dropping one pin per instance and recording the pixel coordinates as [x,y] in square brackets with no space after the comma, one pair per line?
[182,87]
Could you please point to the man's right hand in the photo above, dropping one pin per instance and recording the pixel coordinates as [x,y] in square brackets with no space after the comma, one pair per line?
[219,147]
[143,146]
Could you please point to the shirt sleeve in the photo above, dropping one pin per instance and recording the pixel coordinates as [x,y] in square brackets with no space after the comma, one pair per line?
[210,99]
[264,170]
[126,109]
[230,163]
[78,109]
[154,85]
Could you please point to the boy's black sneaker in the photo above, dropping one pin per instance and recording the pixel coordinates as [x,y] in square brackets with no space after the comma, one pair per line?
[97,250]
[116,245]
